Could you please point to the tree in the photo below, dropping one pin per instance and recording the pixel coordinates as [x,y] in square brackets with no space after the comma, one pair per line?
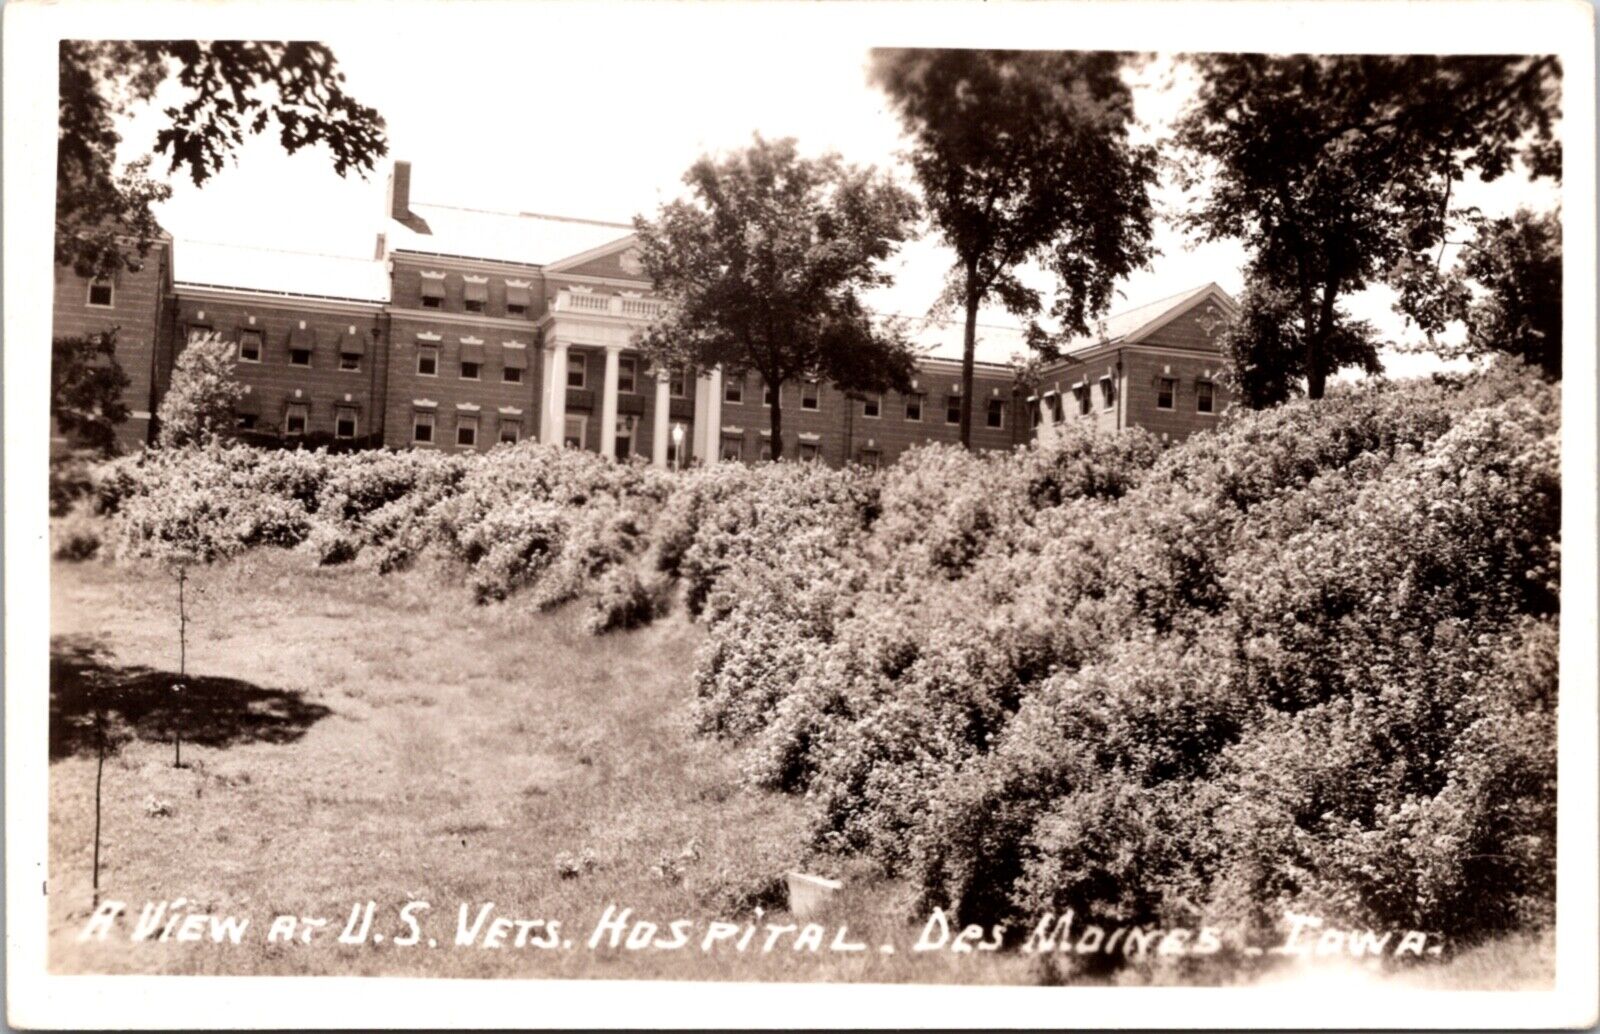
[198,407]
[86,385]
[1335,171]
[763,265]
[1505,289]
[1265,351]
[104,220]
[1024,156]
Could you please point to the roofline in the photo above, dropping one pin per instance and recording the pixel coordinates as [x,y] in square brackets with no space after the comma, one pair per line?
[523,215]
[182,286]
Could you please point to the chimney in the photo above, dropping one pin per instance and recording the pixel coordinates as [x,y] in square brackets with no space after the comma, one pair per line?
[399,201]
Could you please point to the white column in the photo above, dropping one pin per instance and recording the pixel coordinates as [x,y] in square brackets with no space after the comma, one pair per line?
[557,427]
[608,402]
[702,415]
[714,417]
[659,436]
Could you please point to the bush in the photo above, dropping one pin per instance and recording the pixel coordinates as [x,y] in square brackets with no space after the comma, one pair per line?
[78,534]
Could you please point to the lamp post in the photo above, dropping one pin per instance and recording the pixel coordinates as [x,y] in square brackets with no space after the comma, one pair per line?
[677,446]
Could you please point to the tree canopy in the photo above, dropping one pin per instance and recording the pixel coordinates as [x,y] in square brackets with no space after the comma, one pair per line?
[104,220]
[86,386]
[1504,290]
[198,408]
[763,264]
[1024,156]
[1337,171]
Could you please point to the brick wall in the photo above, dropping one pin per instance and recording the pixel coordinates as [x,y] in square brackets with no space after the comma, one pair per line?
[449,390]
[274,382]
[405,284]
[136,310]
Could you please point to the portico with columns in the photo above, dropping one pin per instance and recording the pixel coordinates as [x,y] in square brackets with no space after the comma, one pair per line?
[601,326]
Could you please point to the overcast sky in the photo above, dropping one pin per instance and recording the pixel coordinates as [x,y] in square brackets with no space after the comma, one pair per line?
[565,111]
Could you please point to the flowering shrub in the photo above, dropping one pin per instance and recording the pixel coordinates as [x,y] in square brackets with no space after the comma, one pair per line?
[1306,661]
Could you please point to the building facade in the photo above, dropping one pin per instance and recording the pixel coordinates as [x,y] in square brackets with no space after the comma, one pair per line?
[470,328]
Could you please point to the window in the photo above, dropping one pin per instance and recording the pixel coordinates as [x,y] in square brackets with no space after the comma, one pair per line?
[511,431]
[872,406]
[809,451]
[810,394]
[249,345]
[198,332]
[294,418]
[247,421]
[475,294]
[677,383]
[344,422]
[733,387]
[100,294]
[628,375]
[914,408]
[766,394]
[573,432]
[952,409]
[519,299]
[1036,411]
[432,301]
[1081,393]
[577,371]
[299,357]
[766,451]
[1058,408]
[469,370]
[1108,394]
[472,304]
[352,346]
[996,415]
[427,361]
[1166,389]
[733,448]
[422,426]
[433,291]
[511,374]
[871,458]
[466,429]
[1205,397]
[516,309]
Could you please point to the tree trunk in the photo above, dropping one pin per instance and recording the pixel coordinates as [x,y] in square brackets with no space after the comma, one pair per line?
[1317,342]
[183,659]
[99,773]
[969,353]
[775,424]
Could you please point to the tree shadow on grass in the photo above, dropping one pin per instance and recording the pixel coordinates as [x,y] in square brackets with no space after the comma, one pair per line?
[141,702]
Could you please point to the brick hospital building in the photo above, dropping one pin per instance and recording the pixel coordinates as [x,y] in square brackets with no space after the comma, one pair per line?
[468,328]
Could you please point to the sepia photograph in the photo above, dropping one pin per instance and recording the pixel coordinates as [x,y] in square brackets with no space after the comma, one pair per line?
[886,504]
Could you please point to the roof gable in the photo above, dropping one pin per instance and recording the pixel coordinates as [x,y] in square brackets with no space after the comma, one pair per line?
[616,260]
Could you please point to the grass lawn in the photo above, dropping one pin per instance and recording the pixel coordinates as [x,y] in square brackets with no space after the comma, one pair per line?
[357,737]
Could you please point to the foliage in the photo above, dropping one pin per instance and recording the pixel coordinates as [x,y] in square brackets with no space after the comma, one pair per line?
[1505,289]
[86,385]
[1024,156]
[1306,661]
[1265,345]
[198,405]
[104,220]
[1334,171]
[763,266]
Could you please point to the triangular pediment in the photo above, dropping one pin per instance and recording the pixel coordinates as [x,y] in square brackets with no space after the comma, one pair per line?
[616,260]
